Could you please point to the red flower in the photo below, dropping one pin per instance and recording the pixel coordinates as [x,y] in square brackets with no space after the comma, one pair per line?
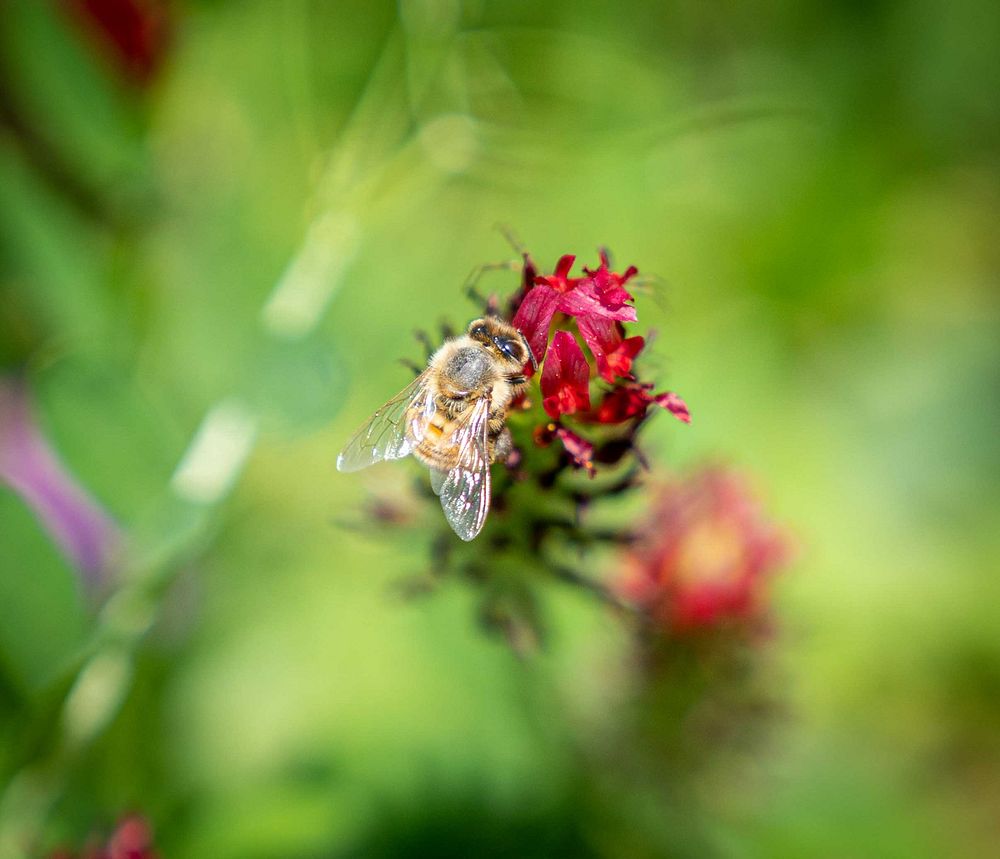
[135,33]
[705,555]
[560,281]
[632,400]
[612,350]
[609,285]
[600,295]
[534,317]
[579,449]
[132,839]
[565,377]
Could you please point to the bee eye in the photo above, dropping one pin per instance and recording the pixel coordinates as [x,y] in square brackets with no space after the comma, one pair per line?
[478,332]
[506,347]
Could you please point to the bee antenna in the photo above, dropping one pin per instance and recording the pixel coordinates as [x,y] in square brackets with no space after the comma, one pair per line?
[531,355]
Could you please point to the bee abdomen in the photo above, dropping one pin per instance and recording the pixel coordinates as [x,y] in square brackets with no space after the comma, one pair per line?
[436,449]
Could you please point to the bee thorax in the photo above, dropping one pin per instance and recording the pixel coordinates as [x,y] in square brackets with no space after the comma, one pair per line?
[468,369]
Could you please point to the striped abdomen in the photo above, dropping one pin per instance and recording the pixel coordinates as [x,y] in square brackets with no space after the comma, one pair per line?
[439,447]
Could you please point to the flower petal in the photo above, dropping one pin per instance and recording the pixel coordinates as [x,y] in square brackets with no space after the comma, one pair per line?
[565,377]
[632,400]
[673,404]
[564,265]
[605,270]
[609,284]
[534,317]
[622,403]
[613,352]
[580,450]
[587,300]
[619,361]
[705,555]
[31,467]
[560,280]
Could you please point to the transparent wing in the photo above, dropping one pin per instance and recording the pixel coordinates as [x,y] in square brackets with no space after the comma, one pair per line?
[465,490]
[393,431]
[438,478]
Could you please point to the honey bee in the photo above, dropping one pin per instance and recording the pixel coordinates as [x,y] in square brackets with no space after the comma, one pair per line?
[452,418]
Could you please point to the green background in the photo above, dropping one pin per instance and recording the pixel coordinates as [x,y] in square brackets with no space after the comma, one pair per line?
[815,187]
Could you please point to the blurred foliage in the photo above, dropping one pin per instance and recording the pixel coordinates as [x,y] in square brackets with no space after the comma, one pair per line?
[261,224]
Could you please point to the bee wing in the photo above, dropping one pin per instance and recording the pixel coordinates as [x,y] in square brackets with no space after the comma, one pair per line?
[438,478]
[393,431]
[465,489]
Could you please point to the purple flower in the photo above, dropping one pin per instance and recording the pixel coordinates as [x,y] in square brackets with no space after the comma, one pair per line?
[28,465]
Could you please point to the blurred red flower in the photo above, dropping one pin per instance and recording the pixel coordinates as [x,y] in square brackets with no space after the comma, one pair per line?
[135,34]
[705,555]
[580,451]
[132,839]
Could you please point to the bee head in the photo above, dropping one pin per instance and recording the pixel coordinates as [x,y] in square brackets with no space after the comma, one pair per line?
[503,340]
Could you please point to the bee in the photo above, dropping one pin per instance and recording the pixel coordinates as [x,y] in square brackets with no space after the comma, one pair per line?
[453,418]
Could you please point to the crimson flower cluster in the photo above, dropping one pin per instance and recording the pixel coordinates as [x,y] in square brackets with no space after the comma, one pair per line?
[551,311]
[581,420]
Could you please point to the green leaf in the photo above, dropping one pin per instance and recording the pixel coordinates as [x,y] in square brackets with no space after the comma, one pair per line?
[43,618]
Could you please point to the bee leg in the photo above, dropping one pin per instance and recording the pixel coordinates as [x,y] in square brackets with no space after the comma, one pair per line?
[424,341]
[512,239]
[411,365]
[503,446]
